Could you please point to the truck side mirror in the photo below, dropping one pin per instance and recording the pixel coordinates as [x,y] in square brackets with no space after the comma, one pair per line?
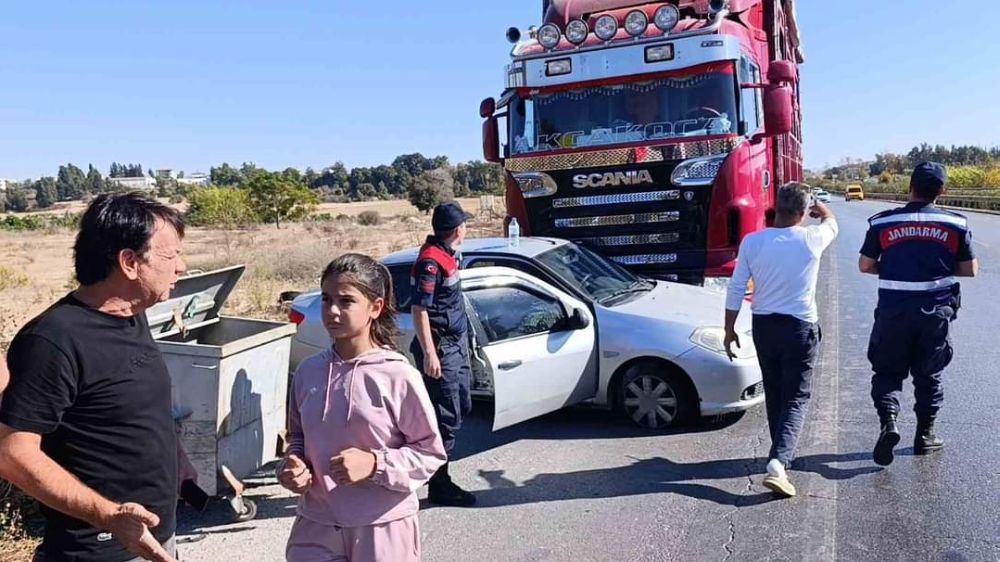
[491,140]
[781,72]
[487,108]
[778,110]
[491,130]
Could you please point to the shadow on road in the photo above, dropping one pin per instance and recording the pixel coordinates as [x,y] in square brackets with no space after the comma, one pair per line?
[191,523]
[656,476]
[477,435]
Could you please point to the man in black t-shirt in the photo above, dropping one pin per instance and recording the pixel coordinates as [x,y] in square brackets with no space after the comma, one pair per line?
[85,423]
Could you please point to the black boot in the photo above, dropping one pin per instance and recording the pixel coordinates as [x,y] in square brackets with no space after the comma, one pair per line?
[442,491]
[887,439]
[925,441]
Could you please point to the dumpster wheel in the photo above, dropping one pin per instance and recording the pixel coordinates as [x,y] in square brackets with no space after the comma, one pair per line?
[247,512]
[243,509]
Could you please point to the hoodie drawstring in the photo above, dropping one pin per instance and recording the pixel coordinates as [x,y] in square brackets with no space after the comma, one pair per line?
[329,384]
[350,390]
[349,386]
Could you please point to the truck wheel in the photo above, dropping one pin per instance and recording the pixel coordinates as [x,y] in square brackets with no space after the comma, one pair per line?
[655,397]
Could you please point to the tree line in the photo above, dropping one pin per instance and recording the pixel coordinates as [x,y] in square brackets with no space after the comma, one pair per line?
[964,155]
[411,176]
[336,183]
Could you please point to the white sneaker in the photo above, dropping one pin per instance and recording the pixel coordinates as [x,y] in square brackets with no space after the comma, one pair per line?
[777,481]
[776,468]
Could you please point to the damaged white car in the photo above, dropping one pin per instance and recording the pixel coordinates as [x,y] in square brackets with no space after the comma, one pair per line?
[554,324]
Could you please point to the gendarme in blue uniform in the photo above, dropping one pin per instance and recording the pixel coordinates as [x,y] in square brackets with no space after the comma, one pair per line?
[438,288]
[917,247]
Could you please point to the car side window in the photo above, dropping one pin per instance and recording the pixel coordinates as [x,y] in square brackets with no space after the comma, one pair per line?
[513,264]
[401,286]
[512,312]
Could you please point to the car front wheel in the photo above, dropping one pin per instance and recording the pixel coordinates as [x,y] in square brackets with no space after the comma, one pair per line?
[655,397]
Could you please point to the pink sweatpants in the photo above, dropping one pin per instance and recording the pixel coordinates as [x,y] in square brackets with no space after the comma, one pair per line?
[397,541]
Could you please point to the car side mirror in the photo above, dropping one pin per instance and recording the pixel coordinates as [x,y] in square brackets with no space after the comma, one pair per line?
[578,320]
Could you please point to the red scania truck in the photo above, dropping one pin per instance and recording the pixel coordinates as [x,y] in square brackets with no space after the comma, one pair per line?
[654,133]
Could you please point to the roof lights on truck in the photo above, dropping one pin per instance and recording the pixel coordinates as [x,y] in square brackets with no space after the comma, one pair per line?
[636,23]
[577,31]
[606,27]
[698,171]
[549,35]
[666,18]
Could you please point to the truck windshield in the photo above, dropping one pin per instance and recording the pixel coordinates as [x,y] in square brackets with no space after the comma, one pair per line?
[591,274]
[665,108]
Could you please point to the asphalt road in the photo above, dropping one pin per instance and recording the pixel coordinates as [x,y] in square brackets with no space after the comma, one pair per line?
[584,485]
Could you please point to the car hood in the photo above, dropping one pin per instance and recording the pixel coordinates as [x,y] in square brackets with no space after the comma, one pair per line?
[680,304]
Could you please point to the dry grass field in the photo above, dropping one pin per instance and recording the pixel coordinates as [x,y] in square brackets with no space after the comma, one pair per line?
[37,267]
[36,270]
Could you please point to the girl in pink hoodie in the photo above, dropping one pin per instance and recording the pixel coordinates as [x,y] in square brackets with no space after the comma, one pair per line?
[362,432]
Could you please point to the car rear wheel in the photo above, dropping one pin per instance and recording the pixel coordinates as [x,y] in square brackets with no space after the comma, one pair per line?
[655,397]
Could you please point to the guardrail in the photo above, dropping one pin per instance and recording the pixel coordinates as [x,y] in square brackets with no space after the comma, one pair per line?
[985,204]
[976,203]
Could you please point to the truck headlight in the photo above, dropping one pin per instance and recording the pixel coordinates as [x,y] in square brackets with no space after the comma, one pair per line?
[698,171]
[535,184]
[712,338]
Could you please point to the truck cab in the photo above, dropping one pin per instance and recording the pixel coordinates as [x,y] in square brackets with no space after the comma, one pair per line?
[652,133]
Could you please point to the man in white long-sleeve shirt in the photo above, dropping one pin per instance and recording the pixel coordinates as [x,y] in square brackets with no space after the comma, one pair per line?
[783,262]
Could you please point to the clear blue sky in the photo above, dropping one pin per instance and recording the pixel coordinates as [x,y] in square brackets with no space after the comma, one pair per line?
[188,84]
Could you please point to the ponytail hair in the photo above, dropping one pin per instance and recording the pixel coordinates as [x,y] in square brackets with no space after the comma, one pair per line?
[373,280]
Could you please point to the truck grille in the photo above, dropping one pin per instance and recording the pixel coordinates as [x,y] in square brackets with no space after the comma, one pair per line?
[632,240]
[618,220]
[617,199]
[654,228]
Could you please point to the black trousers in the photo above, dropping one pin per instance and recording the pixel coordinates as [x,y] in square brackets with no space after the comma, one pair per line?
[908,342]
[786,350]
[450,395]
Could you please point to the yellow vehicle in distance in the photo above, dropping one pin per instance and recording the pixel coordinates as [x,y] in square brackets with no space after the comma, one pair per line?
[854,192]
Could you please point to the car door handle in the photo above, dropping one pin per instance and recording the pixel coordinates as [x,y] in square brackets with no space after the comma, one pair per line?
[508,365]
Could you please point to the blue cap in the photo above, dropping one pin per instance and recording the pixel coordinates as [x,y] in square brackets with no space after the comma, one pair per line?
[930,175]
[448,216]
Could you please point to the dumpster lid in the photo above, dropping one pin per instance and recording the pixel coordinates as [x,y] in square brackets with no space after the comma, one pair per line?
[195,301]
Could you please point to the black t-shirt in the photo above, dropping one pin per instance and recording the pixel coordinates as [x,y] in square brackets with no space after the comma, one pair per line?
[97,389]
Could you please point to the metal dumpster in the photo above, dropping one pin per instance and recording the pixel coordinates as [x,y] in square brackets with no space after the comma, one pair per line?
[229,378]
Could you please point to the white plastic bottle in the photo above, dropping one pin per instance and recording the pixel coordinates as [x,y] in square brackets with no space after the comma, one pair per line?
[513,233]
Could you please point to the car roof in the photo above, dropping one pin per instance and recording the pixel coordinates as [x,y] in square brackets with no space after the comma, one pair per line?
[528,247]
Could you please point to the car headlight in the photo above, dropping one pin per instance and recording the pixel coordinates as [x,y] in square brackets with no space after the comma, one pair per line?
[712,338]
[698,171]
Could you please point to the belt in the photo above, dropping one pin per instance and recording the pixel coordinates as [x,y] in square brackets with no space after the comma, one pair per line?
[937,284]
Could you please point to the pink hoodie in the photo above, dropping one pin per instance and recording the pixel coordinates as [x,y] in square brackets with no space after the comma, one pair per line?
[375,402]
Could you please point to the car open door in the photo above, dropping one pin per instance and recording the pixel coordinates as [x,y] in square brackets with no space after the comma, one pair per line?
[540,343]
